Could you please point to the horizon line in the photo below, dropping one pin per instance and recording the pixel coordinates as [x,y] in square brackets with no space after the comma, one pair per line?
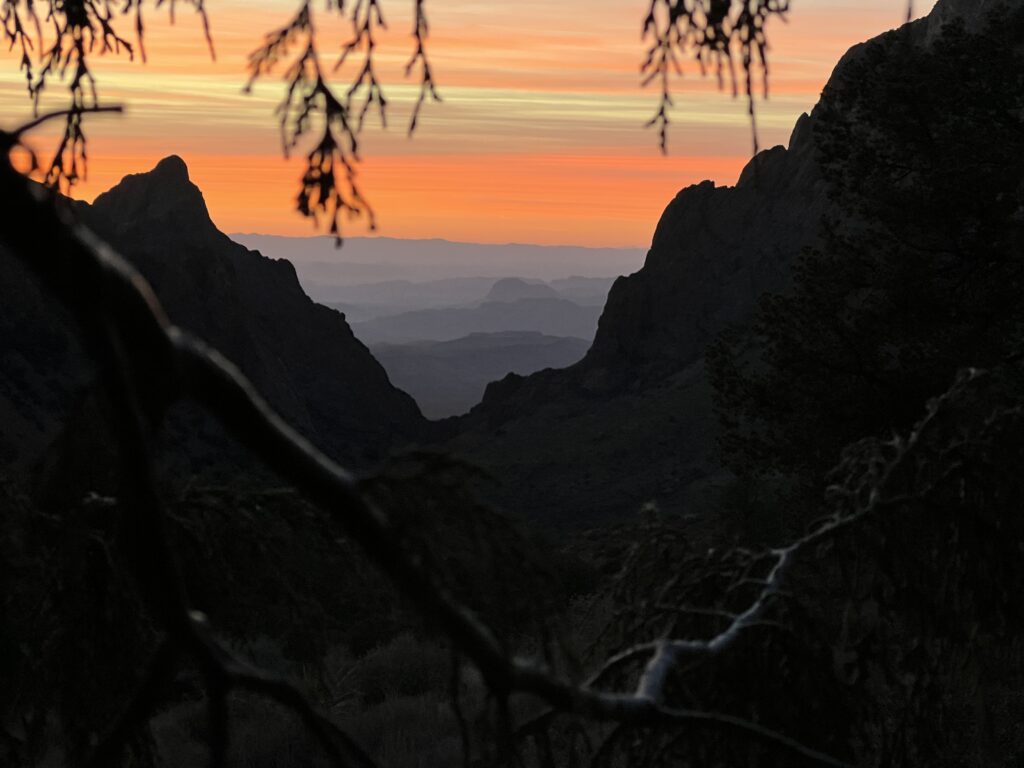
[447,241]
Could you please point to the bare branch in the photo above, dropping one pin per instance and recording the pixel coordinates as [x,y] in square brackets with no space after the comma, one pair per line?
[328,186]
[36,122]
[428,89]
[716,33]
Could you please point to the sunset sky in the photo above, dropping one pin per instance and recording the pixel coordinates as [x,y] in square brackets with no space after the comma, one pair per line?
[539,139]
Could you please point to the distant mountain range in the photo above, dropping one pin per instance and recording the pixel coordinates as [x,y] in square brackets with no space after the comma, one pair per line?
[448,378]
[446,310]
[323,269]
[368,301]
[551,316]
[444,356]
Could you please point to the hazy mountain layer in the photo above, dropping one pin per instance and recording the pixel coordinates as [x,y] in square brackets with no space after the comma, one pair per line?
[392,297]
[377,259]
[368,301]
[448,378]
[551,316]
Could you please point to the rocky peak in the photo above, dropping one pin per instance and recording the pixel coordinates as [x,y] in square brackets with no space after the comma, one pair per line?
[301,356]
[162,197]
[171,171]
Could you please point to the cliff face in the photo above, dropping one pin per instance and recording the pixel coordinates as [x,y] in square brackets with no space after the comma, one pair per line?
[633,422]
[714,252]
[300,355]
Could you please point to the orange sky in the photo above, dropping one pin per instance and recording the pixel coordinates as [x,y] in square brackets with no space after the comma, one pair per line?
[539,139]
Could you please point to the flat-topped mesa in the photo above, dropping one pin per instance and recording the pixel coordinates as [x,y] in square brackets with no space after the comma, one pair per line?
[515,288]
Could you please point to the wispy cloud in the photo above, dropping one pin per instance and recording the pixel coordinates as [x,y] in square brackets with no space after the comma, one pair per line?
[540,137]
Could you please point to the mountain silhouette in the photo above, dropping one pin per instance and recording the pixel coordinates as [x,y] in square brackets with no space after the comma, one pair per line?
[630,422]
[300,355]
[633,422]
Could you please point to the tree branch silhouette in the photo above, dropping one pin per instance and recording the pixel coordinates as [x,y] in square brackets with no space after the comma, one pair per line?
[725,37]
[716,33]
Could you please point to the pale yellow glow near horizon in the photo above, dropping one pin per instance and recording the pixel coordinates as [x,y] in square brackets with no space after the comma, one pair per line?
[539,139]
